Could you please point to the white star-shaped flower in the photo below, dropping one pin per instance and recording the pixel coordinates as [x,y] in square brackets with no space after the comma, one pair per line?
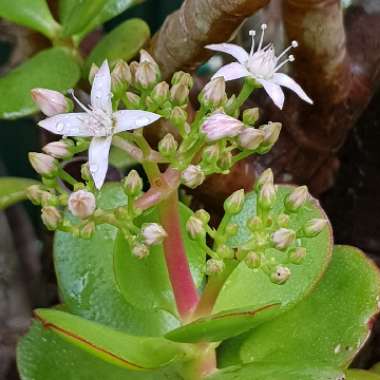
[261,64]
[99,122]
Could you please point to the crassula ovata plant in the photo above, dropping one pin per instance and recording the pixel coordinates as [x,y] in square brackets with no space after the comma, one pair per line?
[151,290]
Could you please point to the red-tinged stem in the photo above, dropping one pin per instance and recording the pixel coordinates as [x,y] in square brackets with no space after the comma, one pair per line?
[184,289]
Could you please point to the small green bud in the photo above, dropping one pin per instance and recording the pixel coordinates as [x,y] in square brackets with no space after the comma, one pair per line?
[255,223]
[203,215]
[272,133]
[250,138]
[265,177]
[120,77]
[194,227]
[82,204]
[228,106]
[235,202]
[267,196]
[87,231]
[140,251]
[178,116]
[225,252]
[132,100]
[153,233]
[280,275]
[193,176]
[297,255]
[179,94]
[225,161]
[296,199]
[160,93]
[132,184]
[48,199]
[211,154]
[283,220]
[182,78]
[93,70]
[168,145]
[231,230]
[146,75]
[214,266]
[51,217]
[43,164]
[213,94]
[283,238]
[85,172]
[34,194]
[252,260]
[313,227]
[251,115]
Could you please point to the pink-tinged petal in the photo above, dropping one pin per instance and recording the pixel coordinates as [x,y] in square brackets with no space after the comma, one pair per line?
[101,89]
[274,91]
[69,124]
[126,120]
[285,81]
[235,50]
[98,153]
[232,71]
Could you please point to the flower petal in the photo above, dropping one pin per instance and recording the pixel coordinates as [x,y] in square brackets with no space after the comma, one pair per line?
[232,71]
[69,124]
[101,89]
[235,50]
[98,159]
[274,91]
[126,120]
[285,81]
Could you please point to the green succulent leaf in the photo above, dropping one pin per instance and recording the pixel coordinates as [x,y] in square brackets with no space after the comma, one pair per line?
[246,287]
[113,346]
[154,288]
[120,159]
[75,18]
[54,68]
[42,354]
[271,371]
[123,42]
[85,277]
[376,368]
[34,14]
[222,325]
[13,190]
[359,374]
[331,325]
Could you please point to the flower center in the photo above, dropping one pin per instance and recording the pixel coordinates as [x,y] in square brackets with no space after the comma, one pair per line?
[263,62]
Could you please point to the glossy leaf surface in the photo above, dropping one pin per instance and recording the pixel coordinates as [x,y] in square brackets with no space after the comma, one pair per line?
[123,42]
[246,287]
[34,14]
[86,279]
[331,325]
[221,326]
[55,69]
[42,355]
[12,190]
[154,288]
[358,374]
[113,346]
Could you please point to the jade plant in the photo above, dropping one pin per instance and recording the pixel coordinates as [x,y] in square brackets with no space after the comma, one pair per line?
[151,289]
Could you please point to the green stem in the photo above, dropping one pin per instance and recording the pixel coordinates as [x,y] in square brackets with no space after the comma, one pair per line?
[67,177]
[246,91]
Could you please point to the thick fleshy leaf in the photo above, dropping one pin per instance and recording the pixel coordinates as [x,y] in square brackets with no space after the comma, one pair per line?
[12,190]
[34,14]
[123,42]
[331,325]
[358,374]
[110,345]
[76,18]
[54,68]
[85,276]
[246,287]
[43,355]
[272,371]
[154,289]
[111,9]
[221,326]
[120,159]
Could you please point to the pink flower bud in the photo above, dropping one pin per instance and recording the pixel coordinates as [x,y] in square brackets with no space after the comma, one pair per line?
[192,176]
[59,149]
[283,238]
[194,227]
[140,251]
[82,204]
[51,217]
[43,164]
[251,138]
[220,125]
[146,75]
[280,275]
[51,102]
[213,94]
[153,233]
